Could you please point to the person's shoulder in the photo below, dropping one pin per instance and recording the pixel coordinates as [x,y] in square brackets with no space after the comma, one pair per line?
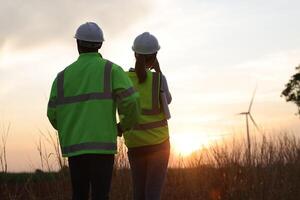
[113,64]
[164,81]
[68,67]
[163,77]
[116,69]
[131,69]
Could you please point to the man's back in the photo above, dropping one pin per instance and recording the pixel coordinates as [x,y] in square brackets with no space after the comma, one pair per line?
[84,98]
[82,107]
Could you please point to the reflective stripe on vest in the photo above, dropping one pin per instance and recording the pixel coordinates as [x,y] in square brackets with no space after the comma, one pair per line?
[89,146]
[151,125]
[106,94]
[155,97]
[155,110]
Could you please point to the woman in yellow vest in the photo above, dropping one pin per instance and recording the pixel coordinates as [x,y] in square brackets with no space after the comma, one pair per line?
[148,142]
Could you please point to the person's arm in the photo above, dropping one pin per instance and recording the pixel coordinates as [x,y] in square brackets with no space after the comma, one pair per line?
[164,87]
[51,110]
[127,99]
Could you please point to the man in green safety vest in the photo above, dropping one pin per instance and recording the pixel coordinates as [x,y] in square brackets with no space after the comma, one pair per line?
[82,108]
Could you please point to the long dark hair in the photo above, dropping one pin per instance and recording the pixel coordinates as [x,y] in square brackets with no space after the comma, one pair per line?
[145,61]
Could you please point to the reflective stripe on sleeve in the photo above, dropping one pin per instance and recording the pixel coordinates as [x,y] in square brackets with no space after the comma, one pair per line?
[124,93]
[151,125]
[51,104]
[89,146]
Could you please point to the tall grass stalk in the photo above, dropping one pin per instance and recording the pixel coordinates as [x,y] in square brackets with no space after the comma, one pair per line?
[52,141]
[3,146]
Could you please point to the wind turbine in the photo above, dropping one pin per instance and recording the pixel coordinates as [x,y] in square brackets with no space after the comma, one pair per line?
[247,116]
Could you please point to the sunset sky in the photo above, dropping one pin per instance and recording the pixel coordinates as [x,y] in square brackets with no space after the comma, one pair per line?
[213,53]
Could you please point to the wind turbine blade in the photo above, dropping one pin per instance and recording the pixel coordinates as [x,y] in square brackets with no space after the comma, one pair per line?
[251,102]
[242,113]
[255,124]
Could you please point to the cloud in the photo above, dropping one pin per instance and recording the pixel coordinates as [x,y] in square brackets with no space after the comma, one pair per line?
[32,22]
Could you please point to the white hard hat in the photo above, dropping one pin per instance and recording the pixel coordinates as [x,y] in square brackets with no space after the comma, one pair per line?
[89,32]
[145,44]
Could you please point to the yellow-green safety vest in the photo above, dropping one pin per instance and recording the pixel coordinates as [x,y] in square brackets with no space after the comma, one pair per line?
[152,127]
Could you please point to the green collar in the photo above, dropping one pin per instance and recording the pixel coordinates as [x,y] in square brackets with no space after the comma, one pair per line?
[92,54]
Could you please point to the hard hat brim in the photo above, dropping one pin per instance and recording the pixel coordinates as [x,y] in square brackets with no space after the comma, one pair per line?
[145,52]
[88,40]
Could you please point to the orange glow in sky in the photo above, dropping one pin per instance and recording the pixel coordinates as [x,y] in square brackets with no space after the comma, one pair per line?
[212,54]
[188,143]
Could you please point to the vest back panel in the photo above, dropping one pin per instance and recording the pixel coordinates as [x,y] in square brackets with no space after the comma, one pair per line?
[150,104]
[86,125]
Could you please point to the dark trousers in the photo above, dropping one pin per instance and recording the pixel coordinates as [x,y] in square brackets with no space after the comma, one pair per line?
[148,173]
[91,170]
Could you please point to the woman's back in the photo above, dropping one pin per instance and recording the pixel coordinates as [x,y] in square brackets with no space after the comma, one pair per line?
[148,142]
[152,125]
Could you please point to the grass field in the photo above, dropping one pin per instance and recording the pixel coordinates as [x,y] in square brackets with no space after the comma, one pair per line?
[219,172]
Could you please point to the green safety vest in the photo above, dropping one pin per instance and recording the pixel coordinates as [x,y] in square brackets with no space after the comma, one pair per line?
[152,127]
[82,105]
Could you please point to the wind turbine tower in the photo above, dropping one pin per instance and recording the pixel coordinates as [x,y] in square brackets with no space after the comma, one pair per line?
[247,116]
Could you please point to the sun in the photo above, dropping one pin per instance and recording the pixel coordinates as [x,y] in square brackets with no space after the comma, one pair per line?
[186,144]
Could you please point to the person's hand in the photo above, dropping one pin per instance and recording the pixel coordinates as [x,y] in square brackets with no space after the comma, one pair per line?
[156,66]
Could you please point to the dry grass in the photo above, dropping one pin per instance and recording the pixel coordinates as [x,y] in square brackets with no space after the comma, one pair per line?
[219,172]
